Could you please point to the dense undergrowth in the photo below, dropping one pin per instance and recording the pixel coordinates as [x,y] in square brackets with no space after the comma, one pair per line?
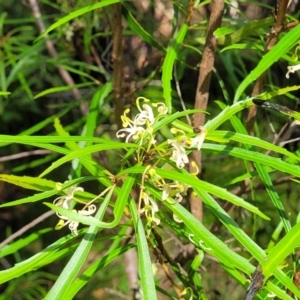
[105,108]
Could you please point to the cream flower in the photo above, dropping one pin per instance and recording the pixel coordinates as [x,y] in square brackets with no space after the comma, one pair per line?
[182,142]
[178,155]
[73,225]
[64,201]
[292,69]
[175,190]
[146,114]
[199,139]
[133,131]
[176,219]
[134,128]
[150,208]
[161,108]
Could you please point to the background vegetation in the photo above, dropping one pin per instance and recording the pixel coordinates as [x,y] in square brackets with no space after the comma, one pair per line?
[69,70]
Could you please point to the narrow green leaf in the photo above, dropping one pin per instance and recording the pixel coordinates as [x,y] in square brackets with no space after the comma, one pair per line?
[20,74]
[280,251]
[218,136]
[248,46]
[204,239]
[85,151]
[28,140]
[23,242]
[2,93]
[77,13]
[277,291]
[194,182]
[229,35]
[263,174]
[286,281]
[167,68]
[232,226]
[50,254]
[95,106]
[277,92]
[34,128]
[144,260]
[59,89]
[276,163]
[140,31]
[287,42]
[74,216]
[27,182]
[104,261]
[79,257]
[226,113]
[49,193]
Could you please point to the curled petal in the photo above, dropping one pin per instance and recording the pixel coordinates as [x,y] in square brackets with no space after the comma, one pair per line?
[64,201]
[134,132]
[195,166]
[201,244]
[161,108]
[60,224]
[125,120]
[174,131]
[60,201]
[176,219]
[178,198]
[137,101]
[145,116]
[178,155]
[150,208]
[199,139]
[73,227]
[292,69]
[90,210]
[271,295]
[190,237]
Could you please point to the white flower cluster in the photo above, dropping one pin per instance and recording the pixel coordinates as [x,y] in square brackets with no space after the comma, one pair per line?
[144,121]
[64,202]
[145,118]
[136,129]
[182,142]
[174,190]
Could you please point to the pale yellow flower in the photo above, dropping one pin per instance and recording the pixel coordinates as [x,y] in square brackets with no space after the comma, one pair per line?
[73,225]
[131,128]
[292,69]
[64,201]
[150,208]
[134,128]
[199,139]
[174,189]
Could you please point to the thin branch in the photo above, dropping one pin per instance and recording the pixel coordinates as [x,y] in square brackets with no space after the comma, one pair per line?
[116,293]
[65,75]
[24,154]
[117,57]
[149,81]
[180,95]
[202,93]
[271,41]
[27,227]
[207,62]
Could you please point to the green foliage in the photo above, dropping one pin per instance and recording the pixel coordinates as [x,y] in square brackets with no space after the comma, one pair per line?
[135,179]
